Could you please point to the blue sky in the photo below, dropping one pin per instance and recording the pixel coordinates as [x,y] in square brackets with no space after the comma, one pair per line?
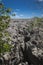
[25,8]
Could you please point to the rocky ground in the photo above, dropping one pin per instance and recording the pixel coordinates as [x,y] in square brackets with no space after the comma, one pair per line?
[21,34]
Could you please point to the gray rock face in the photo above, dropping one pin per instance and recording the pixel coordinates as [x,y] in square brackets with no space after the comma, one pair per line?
[27,45]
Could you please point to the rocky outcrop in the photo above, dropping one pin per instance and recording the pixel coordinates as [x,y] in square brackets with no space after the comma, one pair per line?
[27,45]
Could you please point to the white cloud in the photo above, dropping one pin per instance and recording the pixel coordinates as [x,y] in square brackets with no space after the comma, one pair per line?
[17,9]
[42,15]
[12,16]
[17,16]
[40,0]
[14,12]
[21,15]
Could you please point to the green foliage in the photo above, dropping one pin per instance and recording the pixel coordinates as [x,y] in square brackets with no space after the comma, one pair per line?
[32,25]
[3,25]
[7,47]
[37,22]
[8,10]
[6,33]
[13,14]
[4,22]
[1,45]
[4,17]
[1,34]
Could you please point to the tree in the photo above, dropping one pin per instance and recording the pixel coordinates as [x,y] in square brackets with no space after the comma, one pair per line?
[4,22]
